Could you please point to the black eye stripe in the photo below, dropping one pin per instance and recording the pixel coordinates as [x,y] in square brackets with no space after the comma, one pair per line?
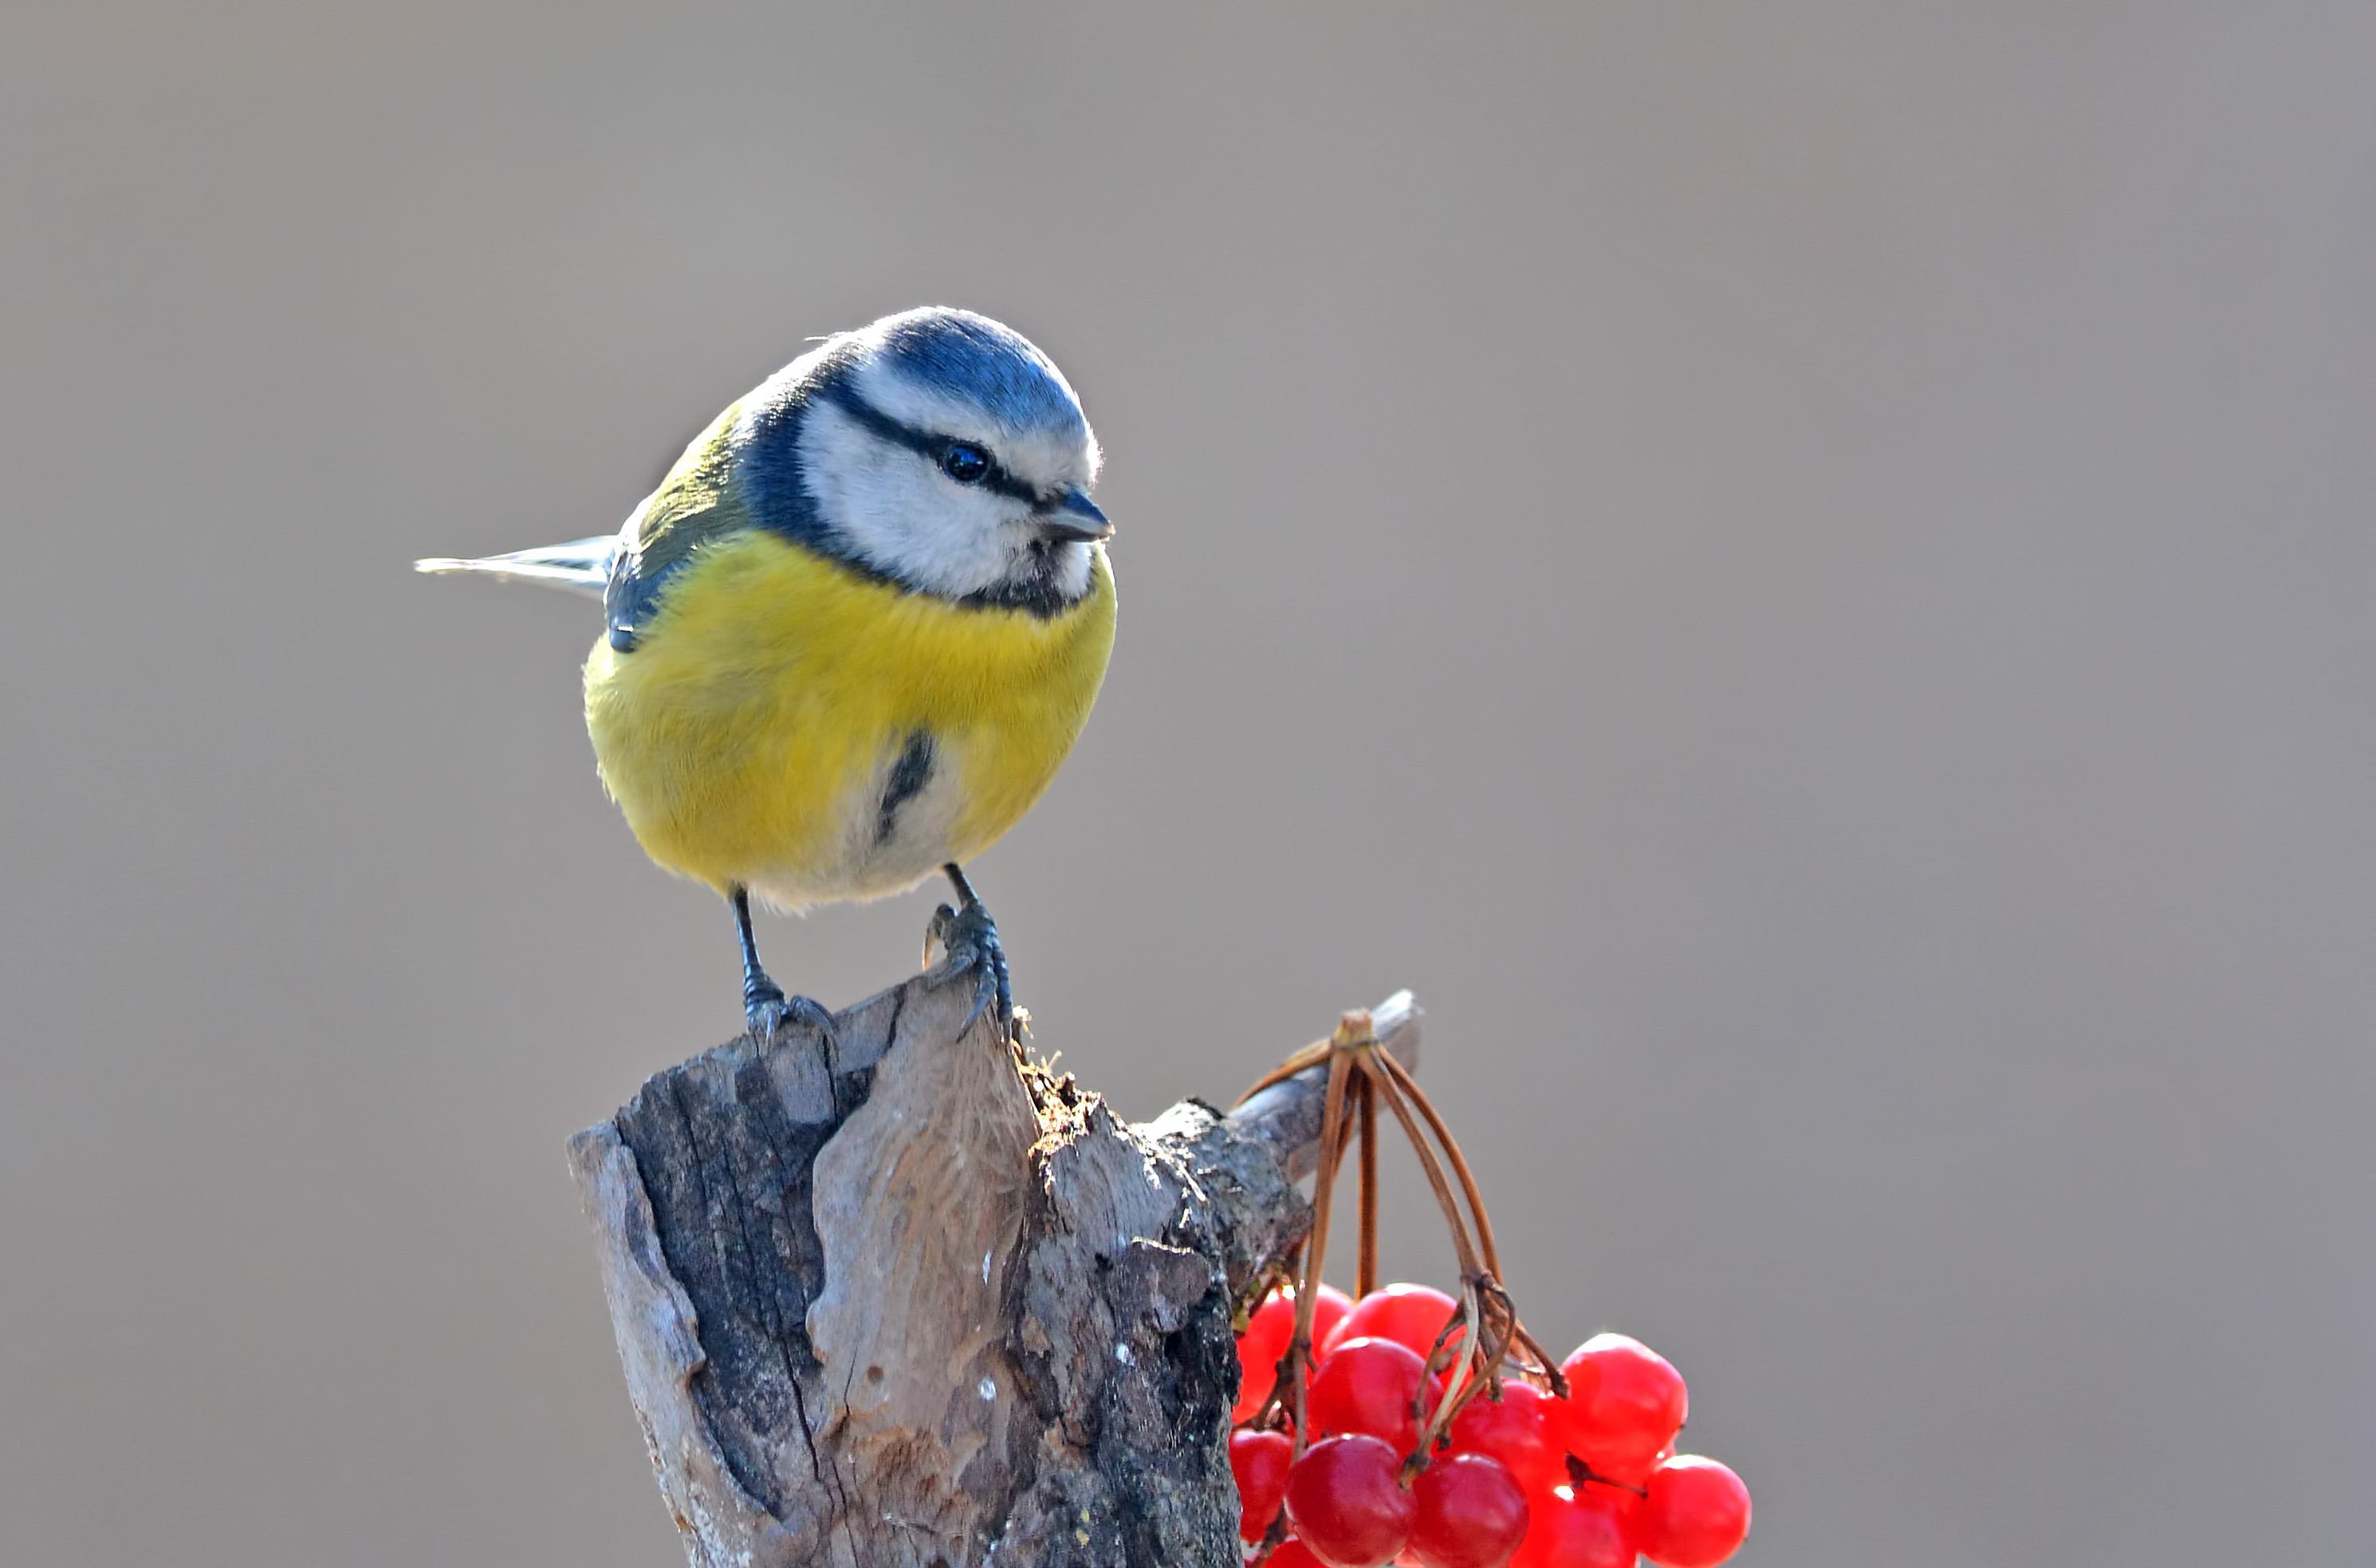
[934,448]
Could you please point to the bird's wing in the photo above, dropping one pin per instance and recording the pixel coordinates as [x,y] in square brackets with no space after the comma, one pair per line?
[583,565]
[695,503]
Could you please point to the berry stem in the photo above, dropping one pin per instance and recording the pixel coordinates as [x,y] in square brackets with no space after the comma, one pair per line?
[1400,1077]
[1470,1262]
[1365,1278]
[1316,1251]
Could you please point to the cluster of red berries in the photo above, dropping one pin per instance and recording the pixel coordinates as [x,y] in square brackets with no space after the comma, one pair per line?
[1520,1477]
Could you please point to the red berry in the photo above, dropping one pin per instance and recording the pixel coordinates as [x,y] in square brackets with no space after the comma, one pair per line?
[1630,1474]
[1268,1329]
[1259,1461]
[1327,1313]
[1625,1402]
[1411,1314]
[1625,1499]
[1345,1501]
[1593,1530]
[1696,1514]
[1259,1349]
[1514,1429]
[1471,1514]
[1372,1386]
[1293,1553]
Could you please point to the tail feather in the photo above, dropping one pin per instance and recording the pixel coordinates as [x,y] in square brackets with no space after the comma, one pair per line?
[582,566]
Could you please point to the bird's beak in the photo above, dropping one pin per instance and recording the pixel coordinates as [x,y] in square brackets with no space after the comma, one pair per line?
[1074,519]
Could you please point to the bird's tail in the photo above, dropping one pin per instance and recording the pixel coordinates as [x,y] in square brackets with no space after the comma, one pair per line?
[583,565]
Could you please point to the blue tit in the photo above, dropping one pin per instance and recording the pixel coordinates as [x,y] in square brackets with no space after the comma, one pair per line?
[854,633]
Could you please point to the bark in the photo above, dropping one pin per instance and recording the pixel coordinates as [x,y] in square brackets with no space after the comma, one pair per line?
[901,1297]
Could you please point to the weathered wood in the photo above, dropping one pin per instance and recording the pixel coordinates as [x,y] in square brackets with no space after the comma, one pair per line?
[901,1301]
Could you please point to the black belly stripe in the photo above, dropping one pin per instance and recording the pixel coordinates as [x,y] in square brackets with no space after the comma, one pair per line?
[909,776]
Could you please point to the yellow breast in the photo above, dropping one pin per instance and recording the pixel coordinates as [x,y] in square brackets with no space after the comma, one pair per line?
[750,734]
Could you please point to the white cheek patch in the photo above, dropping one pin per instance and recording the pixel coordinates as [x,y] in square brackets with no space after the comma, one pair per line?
[901,514]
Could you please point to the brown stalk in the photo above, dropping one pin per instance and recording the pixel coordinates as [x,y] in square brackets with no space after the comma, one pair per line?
[1316,1251]
[1467,1250]
[1409,1087]
[1365,1277]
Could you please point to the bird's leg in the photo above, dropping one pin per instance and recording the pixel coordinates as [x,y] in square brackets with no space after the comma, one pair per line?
[970,935]
[764,1006]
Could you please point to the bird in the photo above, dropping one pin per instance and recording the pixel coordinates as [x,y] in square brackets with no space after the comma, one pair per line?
[852,634]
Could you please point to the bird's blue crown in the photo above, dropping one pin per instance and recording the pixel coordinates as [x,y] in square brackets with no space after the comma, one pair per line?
[974,358]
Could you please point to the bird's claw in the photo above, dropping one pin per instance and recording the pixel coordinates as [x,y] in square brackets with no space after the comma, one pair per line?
[969,937]
[769,1012]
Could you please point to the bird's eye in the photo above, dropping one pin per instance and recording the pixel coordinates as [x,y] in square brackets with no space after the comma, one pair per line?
[966,463]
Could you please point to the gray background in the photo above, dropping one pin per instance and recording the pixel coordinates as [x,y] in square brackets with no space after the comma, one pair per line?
[1801,572]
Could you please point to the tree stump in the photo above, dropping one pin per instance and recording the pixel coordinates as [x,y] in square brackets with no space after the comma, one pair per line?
[898,1297]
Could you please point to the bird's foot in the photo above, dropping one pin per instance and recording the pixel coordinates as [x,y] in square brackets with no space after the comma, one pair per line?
[970,938]
[769,1011]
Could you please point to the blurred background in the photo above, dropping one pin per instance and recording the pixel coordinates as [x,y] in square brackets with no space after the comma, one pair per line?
[1802,574]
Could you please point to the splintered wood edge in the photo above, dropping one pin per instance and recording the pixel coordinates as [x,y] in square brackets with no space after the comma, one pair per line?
[659,1351]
